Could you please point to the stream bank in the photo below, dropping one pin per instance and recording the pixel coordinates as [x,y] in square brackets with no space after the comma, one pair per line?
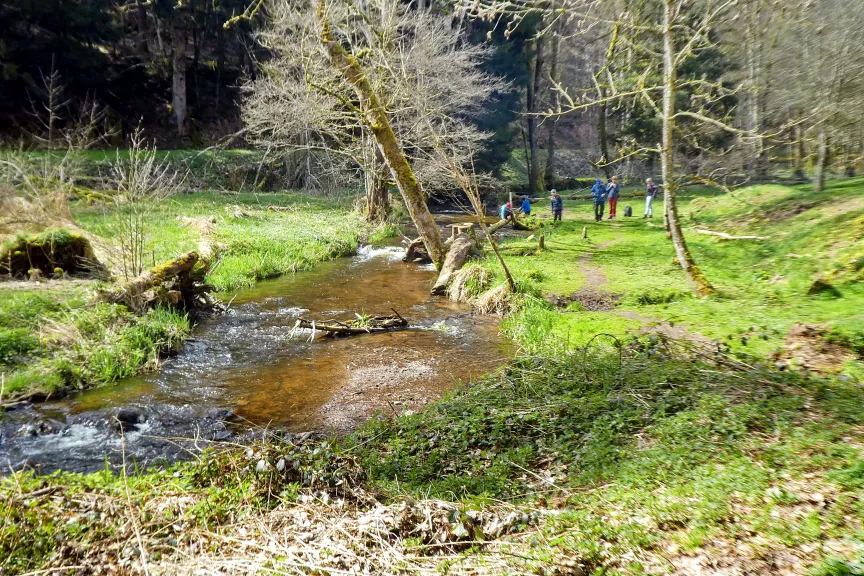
[241,374]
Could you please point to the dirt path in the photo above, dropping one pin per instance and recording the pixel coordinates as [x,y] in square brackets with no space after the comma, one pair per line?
[594,298]
[591,295]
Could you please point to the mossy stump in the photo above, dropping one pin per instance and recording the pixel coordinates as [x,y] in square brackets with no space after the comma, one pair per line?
[55,252]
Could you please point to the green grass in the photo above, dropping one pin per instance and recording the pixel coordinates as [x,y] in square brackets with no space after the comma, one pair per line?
[210,169]
[264,245]
[626,458]
[762,286]
[51,341]
[629,460]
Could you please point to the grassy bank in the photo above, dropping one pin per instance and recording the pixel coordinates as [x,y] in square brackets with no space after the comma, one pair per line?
[763,287]
[585,463]
[579,457]
[51,340]
[255,245]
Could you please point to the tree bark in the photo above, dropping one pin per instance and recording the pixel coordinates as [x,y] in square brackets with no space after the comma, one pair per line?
[196,54]
[800,154]
[377,193]
[753,46]
[131,293]
[550,145]
[379,124]
[700,284]
[535,67]
[143,27]
[822,162]
[456,258]
[178,63]
[601,117]
[601,133]
[220,60]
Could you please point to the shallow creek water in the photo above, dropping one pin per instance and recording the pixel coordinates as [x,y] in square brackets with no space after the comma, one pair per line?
[241,373]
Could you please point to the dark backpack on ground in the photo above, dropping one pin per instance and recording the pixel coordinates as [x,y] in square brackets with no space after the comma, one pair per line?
[628,211]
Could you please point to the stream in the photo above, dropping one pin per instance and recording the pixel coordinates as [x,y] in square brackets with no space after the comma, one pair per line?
[241,375]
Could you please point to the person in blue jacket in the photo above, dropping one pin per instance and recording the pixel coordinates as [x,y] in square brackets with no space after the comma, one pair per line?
[526,205]
[599,194]
[557,206]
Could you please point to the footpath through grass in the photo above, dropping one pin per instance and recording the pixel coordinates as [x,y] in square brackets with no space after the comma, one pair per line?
[762,285]
[573,459]
[51,341]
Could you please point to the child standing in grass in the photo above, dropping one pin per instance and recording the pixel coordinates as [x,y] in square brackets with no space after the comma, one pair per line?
[557,206]
[599,194]
[612,191]
[650,194]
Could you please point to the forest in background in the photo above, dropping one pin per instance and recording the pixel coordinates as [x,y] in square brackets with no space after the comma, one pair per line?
[569,96]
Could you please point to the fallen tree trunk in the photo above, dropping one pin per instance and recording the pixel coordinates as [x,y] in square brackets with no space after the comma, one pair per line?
[502,223]
[456,258]
[723,237]
[134,293]
[333,328]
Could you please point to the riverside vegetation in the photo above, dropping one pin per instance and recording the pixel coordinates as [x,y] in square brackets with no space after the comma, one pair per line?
[51,340]
[646,450]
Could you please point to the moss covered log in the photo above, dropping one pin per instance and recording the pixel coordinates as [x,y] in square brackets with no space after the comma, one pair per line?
[52,252]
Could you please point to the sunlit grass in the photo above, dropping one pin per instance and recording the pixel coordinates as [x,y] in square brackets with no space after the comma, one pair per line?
[762,286]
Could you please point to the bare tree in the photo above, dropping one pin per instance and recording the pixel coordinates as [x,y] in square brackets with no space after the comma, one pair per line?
[361,85]
[142,179]
[817,74]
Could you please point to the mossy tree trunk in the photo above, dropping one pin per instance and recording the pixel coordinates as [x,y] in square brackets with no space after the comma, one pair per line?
[550,146]
[822,162]
[697,279]
[375,117]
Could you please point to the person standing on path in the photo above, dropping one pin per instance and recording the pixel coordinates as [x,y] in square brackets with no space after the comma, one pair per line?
[651,193]
[557,206]
[612,191]
[599,194]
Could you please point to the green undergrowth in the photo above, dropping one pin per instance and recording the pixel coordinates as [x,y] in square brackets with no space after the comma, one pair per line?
[635,459]
[203,169]
[261,244]
[52,341]
[763,287]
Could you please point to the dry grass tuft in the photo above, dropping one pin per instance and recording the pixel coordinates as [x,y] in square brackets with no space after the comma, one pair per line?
[468,283]
[497,301]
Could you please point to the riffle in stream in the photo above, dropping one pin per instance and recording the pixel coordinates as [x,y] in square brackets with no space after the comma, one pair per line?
[242,374]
